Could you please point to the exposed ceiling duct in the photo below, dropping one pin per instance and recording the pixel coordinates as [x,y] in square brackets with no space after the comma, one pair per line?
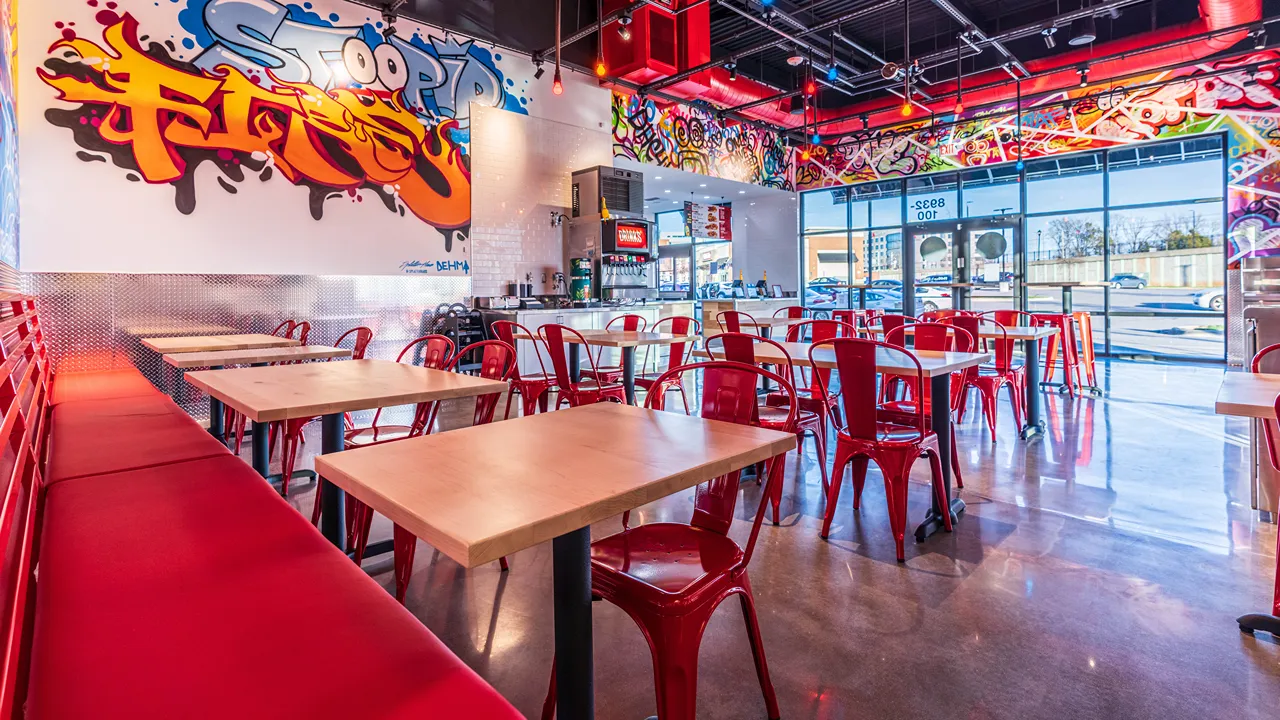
[714,85]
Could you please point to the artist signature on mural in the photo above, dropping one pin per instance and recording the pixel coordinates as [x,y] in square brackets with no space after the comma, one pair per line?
[430,267]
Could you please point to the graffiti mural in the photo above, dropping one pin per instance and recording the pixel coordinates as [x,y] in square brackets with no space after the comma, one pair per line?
[338,103]
[689,138]
[8,136]
[1243,104]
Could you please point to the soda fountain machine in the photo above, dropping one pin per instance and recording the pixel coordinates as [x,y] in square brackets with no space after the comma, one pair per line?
[607,229]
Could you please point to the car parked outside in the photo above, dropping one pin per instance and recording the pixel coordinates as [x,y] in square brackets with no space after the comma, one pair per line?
[1127,281]
[1212,299]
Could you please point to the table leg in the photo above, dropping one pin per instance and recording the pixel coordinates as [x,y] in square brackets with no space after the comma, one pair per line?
[862,298]
[765,332]
[940,421]
[575,373]
[1066,299]
[1034,425]
[629,373]
[571,578]
[333,511]
[216,416]
[261,448]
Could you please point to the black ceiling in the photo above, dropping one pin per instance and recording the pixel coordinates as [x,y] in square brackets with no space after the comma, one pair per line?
[526,25]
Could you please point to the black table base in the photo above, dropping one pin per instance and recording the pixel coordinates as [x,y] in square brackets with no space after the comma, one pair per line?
[333,513]
[1034,426]
[1259,622]
[571,580]
[940,423]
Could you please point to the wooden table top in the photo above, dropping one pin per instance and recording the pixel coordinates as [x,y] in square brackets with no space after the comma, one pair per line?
[931,363]
[556,472]
[260,355]
[989,332]
[1248,395]
[280,392]
[215,343]
[618,339]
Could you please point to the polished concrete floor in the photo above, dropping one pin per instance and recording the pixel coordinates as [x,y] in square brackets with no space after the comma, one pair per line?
[1096,574]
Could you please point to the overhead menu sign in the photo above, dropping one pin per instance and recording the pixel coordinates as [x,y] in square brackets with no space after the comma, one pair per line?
[708,221]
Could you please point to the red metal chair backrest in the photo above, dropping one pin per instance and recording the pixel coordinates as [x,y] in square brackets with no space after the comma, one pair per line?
[497,362]
[630,323]
[927,336]
[731,321]
[553,336]
[741,347]
[302,331]
[1011,318]
[936,315]
[25,377]
[791,311]
[856,361]
[284,329]
[360,344]
[1001,347]
[506,331]
[817,331]
[889,321]
[677,352]
[1255,366]
[429,351]
[729,395]
[966,328]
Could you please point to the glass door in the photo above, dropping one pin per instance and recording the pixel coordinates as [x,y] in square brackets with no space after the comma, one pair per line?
[675,272]
[934,261]
[988,264]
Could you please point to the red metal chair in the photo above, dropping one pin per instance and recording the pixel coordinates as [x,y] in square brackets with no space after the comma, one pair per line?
[670,577]
[936,315]
[795,312]
[894,446]
[436,352]
[938,337]
[1275,463]
[1066,338]
[232,420]
[740,347]
[583,392]
[676,356]
[294,429]
[889,323]
[991,377]
[1255,366]
[609,374]
[497,362]
[535,389]
[731,321]
[1084,321]
[803,378]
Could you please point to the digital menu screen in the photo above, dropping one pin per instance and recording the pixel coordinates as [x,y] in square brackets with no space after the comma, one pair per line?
[708,221]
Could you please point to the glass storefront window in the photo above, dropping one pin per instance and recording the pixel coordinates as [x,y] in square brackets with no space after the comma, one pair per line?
[824,210]
[932,197]
[671,228]
[1168,172]
[991,191]
[1064,183]
[882,202]
[714,263]
[827,264]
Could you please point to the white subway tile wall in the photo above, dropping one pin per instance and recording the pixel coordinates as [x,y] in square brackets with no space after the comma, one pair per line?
[520,168]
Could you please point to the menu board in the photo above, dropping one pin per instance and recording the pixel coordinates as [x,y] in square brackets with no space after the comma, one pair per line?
[708,221]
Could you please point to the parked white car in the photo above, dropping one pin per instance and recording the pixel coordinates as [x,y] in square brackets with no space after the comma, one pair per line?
[1212,299]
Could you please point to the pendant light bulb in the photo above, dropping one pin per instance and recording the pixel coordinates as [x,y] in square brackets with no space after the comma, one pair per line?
[906,109]
[601,70]
[557,86]
[804,155]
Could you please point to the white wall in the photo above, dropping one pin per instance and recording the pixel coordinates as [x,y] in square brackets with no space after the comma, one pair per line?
[521,169]
[765,233]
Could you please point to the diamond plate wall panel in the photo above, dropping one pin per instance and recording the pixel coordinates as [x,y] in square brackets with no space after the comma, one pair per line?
[1236,342]
[97,321]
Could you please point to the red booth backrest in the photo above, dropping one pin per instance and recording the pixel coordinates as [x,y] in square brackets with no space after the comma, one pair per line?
[24,398]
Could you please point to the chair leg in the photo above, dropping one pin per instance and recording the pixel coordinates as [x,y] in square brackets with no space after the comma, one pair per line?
[684,398]
[757,650]
[896,468]
[549,705]
[404,545]
[955,458]
[1015,399]
[359,520]
[674,642]
[502,564]
[833,493]
[510,396]
[859,465]
[820,439]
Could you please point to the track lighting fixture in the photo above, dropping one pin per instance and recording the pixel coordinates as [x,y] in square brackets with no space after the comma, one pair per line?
[1260,39]
[538,70]
[624,26]
[1048,34]
[733,70]
[865,120]
[1084,75]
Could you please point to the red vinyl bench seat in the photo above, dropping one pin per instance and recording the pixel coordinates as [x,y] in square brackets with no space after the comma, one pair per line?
[194,591]
[92,437]
[172,581]
[103,385]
